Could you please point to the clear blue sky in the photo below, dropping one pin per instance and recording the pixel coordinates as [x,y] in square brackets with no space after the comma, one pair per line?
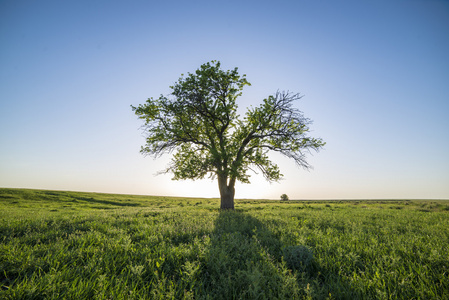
[375,75]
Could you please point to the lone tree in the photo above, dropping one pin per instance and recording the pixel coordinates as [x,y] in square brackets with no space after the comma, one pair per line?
[198,121]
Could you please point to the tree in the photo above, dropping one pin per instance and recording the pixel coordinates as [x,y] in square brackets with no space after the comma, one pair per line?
[198,122]
[284,197]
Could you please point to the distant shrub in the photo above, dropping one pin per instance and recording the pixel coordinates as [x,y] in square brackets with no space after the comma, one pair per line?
[284,197]
[299,258]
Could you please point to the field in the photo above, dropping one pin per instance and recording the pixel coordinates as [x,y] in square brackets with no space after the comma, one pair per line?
[70,245]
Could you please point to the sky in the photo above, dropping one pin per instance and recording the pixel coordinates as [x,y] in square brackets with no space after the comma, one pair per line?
[374,75]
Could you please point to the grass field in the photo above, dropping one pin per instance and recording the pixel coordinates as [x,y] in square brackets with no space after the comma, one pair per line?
[70,245]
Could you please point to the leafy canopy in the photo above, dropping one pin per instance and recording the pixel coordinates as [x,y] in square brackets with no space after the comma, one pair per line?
[198,121]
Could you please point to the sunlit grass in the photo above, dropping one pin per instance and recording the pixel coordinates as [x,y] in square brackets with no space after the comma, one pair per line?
[56,245]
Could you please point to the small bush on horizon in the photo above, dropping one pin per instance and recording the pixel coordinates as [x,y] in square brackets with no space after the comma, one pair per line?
[284,197]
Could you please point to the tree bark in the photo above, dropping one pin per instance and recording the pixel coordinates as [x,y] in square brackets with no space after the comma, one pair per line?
[227,192]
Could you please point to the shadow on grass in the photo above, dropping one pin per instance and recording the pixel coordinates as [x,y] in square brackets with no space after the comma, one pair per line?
[247,261]
[105,202]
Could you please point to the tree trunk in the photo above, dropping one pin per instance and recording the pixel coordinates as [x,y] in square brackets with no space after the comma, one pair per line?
[227,192]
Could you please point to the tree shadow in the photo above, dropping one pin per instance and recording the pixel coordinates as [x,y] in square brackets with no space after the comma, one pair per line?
[248,261]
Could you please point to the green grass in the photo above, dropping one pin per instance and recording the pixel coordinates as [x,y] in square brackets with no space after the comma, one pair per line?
[69,245]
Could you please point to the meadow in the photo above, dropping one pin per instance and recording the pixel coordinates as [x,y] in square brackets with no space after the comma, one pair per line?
[72,245]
